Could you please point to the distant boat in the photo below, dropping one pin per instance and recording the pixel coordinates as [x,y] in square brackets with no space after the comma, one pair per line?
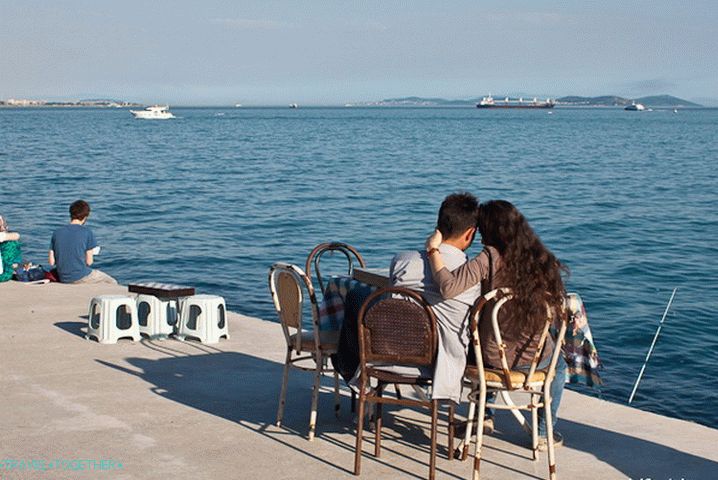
[635,107]
[237,105]
[293,105]
[489,102]
[155,112]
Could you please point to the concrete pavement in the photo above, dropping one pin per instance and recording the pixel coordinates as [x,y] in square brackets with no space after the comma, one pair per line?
[184,410]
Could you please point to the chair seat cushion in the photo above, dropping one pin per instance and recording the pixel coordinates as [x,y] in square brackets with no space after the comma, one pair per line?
[329,339]
[518,377]
[400,374]
[389,376]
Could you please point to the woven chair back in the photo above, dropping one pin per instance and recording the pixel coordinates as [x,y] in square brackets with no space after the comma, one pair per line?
[488,308]
[315,256]
[397,331]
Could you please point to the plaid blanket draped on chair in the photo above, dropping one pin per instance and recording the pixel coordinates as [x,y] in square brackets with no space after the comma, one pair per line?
[579,350]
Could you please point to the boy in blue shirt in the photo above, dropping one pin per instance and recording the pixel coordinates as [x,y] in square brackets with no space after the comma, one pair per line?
[73,247]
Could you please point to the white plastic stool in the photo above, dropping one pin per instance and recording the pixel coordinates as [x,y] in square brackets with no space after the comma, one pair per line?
[156,317]
[112,317]
[203,317]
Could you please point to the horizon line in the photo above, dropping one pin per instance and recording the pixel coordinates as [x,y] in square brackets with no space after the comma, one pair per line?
[354,103]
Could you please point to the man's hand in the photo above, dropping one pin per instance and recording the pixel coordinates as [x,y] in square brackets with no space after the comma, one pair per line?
[434,240]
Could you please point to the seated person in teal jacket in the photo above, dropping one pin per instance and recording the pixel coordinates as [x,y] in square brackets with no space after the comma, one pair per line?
[10,254]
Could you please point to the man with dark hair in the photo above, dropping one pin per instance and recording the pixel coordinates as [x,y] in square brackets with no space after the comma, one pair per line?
[79,210]
[73,247]
[458,218]
[459,212]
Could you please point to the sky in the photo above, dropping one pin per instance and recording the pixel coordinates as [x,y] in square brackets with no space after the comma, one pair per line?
[273,52]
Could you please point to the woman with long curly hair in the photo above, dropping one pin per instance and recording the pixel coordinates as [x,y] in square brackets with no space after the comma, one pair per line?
[520,261]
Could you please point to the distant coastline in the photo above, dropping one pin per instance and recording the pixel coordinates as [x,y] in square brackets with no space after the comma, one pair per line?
[104,103]
[667,101]
[603,101]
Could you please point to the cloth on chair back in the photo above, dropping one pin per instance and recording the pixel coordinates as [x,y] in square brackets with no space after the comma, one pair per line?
[580,351]
[346,360]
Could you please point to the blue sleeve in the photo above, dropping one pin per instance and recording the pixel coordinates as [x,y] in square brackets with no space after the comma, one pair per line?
[91,242]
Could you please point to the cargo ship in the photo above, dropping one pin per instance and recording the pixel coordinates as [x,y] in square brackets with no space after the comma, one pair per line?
[489,102]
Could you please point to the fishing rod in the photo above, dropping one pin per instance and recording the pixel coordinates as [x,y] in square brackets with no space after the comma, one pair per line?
[653,344]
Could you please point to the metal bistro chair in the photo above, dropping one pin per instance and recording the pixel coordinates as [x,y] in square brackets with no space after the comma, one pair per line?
[396,332]
[534,382]
[315,257]
[286,283]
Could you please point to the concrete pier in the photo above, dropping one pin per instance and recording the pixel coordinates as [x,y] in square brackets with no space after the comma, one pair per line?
[184,410]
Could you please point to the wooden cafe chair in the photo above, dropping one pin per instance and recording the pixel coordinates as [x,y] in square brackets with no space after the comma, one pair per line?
[536,383]
[353,258]
[396,331]
[288,285]
[315,256]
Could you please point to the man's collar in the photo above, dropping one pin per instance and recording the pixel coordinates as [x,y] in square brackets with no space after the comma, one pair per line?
[449,249]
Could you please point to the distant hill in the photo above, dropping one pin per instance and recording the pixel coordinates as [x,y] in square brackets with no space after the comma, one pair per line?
[666,101]
[602,101]
[99,100]
[612,100]
[421,101]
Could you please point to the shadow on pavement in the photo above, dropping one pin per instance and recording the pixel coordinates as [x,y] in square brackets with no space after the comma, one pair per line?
[245,389]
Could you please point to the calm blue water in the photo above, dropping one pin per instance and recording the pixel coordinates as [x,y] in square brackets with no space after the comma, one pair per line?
[627,200]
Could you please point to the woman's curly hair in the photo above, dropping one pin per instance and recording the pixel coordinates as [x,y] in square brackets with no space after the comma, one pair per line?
[528,267]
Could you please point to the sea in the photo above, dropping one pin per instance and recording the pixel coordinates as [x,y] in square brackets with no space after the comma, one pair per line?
[627,200]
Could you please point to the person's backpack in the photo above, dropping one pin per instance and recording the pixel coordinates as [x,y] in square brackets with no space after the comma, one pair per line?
[29,273]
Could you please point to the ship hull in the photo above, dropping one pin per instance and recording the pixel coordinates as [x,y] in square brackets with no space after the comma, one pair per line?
[545,105]
[144,115]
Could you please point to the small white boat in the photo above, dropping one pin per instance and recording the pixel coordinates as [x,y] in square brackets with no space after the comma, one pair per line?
[293,105]
[155,112]
[635,107]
